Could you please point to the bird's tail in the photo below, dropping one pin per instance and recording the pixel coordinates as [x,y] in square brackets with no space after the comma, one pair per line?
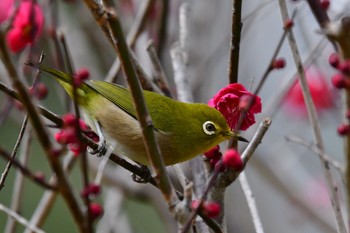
[63,78]
[59,75]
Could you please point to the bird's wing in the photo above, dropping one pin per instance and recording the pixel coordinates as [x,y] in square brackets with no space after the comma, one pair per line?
[117,94]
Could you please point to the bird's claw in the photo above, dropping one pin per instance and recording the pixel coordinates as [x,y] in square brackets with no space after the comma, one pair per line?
[100,150]
[144,177]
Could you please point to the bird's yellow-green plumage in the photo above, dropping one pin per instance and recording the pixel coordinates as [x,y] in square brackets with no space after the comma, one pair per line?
[183,130]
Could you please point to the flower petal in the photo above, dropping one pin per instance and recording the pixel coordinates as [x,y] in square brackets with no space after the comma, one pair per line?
[227,102]
[15,40]
[6,7]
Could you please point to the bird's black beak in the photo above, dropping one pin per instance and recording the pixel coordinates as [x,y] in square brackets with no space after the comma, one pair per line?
[242,139]
[239,138]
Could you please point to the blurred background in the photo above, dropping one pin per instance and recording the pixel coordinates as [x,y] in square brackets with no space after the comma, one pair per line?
[286,178]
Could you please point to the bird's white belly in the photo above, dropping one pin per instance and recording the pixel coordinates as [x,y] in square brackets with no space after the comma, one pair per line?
[119,127]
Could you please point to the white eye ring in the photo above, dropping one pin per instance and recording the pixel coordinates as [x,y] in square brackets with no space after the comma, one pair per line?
[209,128]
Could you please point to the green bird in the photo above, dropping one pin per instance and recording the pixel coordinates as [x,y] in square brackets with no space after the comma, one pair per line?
[182,130]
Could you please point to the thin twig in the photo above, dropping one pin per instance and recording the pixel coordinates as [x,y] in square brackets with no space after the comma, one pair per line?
[144,79]
[132,36]
[48,199]
[25,171]
[319,12]
[14,153]
[235,40]
[274,56]
[179,57]
[159,76]
[180,175]
[20,219]
[18,185]
[333,189]
[336,164]
[163,26]
[55,32]
[102,164]
[256,140]
[248,194]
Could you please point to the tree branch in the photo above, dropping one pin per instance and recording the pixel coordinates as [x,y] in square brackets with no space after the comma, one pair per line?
[314,122]
[235,40]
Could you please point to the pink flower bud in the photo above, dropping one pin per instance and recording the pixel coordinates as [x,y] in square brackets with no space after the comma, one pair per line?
[343,129]
[232,159]
[325,4]
[348,114]
[95,188]
[41,91]
[334,60]
[66,136]
[90,189]
[70,135]
[60,138]
[95,210]
[279,63]
[83,74]
[339,81]
[212,209]
[80,77]
[68,120]
[288,23]
[344,67]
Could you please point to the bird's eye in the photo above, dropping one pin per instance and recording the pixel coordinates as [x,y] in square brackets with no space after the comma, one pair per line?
[209,128]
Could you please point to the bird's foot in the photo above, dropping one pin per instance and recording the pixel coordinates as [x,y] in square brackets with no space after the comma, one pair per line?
[144,177]
[100,150]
